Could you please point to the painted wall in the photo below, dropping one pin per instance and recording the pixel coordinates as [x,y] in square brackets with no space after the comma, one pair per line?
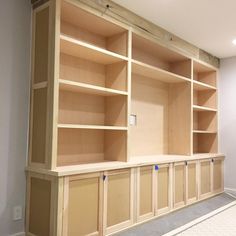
[227,118]
[14,103]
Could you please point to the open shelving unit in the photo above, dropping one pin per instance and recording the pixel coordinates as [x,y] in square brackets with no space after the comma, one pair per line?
[204,109]
[115,113]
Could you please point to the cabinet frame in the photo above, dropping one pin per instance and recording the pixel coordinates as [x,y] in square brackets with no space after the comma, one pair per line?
[194,199]
[129,222]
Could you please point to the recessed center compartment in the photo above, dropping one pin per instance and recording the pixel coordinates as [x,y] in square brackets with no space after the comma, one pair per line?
[163,113]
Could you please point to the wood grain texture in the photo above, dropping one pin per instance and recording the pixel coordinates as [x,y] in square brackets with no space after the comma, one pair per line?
[163,188]
[118,198]
[83,208]
[40,202]
[41,45]
[192,188]
[145,190]
[38,142]
[217,175]
[179,183]
[205,177]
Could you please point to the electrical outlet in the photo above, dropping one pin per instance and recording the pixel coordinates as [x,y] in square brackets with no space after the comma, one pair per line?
[133,120]
[17,213]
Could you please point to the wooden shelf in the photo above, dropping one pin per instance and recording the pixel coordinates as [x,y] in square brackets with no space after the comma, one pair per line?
[199,86]
[204,132]
[102,127]
[153,72]
[87,88]
[201,108]
[77,48]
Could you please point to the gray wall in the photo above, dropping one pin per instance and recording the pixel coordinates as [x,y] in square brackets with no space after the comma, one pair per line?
[14,104]
[227,118]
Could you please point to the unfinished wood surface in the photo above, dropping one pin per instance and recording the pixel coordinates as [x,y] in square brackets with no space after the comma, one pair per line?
[205,177]
[206,98]
[39,209]
[90,109]
[146,190]
[76,48]
[79,146]
[163,188]
[179,107]
[149,102]
[217,175]
[41,45]
[205,143]
[205,121]
[201,108]
[118,198]
[153,72]
[182,68]
[115,145]
[77,87]
[39,124]
[179,184]
[199,86]
[83,206]
[204,74]
[192,181]
[101,33]
[153,54]
[76,69]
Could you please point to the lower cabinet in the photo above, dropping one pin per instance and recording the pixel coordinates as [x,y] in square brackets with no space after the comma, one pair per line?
[118,199]
[218,175]
[103,203]
[205,183]
[163,189]
[82,205]
[191,182]
[145,193]
[179,184]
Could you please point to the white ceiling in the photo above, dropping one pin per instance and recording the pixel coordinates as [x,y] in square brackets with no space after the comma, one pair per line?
[208,24]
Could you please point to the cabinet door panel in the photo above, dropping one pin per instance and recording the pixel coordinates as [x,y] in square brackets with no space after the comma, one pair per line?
[179,185]
[218,175]
[192,182]
[205,178]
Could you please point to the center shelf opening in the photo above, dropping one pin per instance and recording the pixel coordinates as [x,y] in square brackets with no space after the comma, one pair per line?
[162,112]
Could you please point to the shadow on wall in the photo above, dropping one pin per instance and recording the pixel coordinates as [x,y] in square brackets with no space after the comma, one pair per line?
[15,18]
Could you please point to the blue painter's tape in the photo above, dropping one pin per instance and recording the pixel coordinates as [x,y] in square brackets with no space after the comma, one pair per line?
[156,167]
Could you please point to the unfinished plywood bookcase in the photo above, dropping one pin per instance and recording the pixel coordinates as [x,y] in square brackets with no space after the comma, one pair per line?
[123,128]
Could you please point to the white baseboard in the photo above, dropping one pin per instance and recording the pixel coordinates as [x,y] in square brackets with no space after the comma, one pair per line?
[18,234]
[232,190]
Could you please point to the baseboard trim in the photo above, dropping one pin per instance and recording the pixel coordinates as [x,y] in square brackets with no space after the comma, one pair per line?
[18,234]
[230,190]
[200,219]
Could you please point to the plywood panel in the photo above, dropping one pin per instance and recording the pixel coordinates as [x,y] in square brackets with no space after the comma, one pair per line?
[163,188]
[179,183]
[115,144]
[182,68]
[116,76]
[118,198]
[81,70]
[208,77]
[205,120]
[40,203]
[116,110]
[149,102]
[39,125]
[180,119]
[81,108]
[205,177]
[80,146]
[118,43]
[83,207]
[192,181]
[41,44]
[217,182]
[206,98]
[145,190]
[205,143]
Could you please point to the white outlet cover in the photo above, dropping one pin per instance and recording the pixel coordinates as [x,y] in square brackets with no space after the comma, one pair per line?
[17,213]
[133,120]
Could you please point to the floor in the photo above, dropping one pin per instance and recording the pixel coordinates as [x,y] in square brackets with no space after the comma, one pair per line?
[170,222]
[222,224]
